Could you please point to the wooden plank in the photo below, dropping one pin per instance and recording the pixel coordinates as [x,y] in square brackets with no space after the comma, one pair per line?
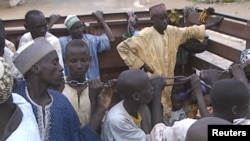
[200,63]
[231,28]
[248,41]
[230,16]
[88,18]
[224,51]
[85,18]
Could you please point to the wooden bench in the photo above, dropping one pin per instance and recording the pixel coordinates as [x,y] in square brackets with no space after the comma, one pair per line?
[110,62]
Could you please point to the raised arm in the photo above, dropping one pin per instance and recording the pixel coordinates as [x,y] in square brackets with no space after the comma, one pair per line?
[196,85]
[95,87]
[158,83]
[53,18]
[103,104]
[99,16]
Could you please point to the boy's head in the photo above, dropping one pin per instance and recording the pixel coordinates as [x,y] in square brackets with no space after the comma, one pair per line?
[35,23]
[159,17]
[134,85]
[230,98]
[77,58]
[198,131]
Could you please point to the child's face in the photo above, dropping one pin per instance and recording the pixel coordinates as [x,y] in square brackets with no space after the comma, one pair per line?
[177,102]
[78,61]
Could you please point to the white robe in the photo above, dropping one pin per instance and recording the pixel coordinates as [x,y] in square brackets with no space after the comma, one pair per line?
[28,128]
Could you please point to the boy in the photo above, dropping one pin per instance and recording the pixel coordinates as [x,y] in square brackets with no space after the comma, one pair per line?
[80,91]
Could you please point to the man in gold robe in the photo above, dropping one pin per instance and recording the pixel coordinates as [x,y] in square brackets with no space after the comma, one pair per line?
[154,48]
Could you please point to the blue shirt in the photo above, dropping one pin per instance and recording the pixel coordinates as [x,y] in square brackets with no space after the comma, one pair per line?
[96,44]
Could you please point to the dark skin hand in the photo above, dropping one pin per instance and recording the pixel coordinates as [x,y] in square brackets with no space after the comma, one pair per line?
[103,104]
[53,18]
[196,84]
[238,73]
[217,22]
[209,76]
[99,15]
[95,87]
[158,83]
[146,68]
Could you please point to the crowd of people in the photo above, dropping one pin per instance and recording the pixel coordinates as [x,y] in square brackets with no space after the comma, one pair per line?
[50,87]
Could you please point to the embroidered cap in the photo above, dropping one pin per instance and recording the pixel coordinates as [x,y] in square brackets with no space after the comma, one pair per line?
[6,81]
[31,53]
[245,55]
[157,9]
[70,21]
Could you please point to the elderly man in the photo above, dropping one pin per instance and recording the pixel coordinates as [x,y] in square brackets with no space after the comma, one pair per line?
[17,120]
[56,118]
[96,44]
[154,48]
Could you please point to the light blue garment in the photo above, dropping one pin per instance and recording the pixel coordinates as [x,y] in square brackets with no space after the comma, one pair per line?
[96,44]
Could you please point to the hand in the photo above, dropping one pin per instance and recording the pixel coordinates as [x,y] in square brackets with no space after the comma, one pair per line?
[158,83]
[209,76]
[98,14]
[53,18]
[146,68]
[105,98]
[195,81]
[238,72]
[95,87]
[219,19]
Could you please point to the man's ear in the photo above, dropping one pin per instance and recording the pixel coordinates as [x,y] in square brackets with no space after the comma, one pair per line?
[235,110]
[136,96]
[65,62]
[26,26]
[35,69]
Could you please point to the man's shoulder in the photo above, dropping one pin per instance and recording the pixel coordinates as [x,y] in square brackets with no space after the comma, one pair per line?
[50,36]
[147,30]
[120,113]
[18,99]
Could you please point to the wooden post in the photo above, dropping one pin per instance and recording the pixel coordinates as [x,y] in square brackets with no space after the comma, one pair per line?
[248,41]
